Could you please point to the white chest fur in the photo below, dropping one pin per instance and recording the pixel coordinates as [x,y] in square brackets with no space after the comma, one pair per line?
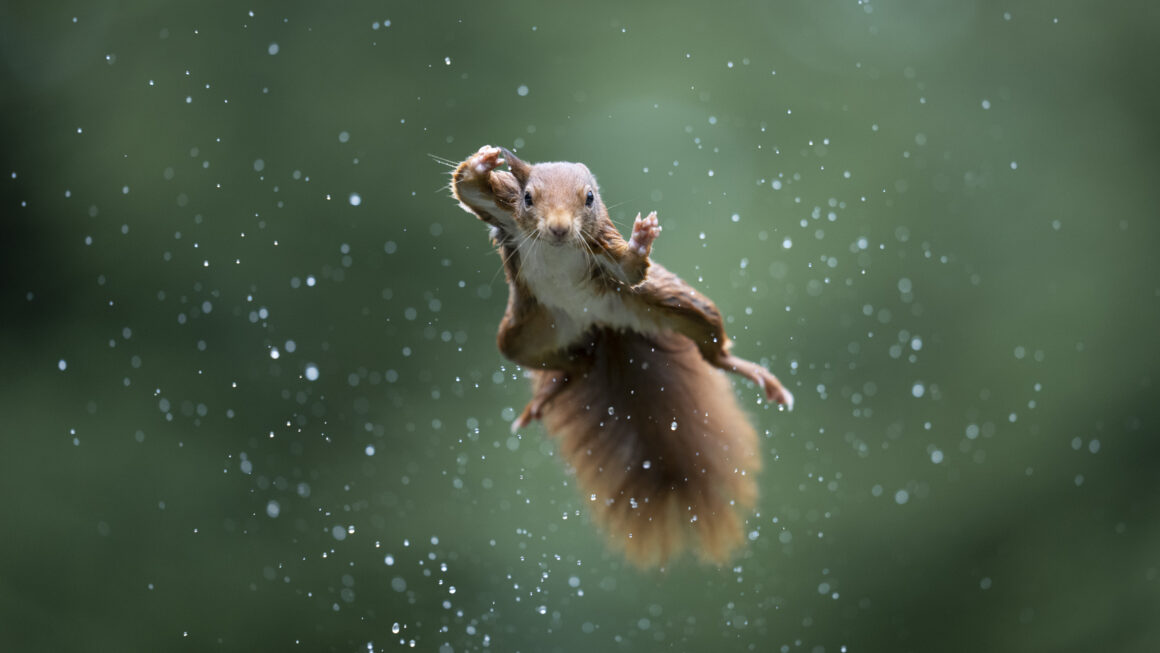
[560,278]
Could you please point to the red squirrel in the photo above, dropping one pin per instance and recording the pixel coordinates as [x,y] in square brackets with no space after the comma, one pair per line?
[624,359]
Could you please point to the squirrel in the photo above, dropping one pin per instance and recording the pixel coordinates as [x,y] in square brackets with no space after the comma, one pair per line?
[624,359]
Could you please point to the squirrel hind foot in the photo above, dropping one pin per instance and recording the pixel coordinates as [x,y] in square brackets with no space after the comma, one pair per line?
[547,387]
[770,386]
[786,399]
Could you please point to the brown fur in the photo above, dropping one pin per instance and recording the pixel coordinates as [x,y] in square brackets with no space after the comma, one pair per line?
[616,412]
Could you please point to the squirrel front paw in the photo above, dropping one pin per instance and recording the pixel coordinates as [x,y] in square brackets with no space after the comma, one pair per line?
[644,232]
[485,160]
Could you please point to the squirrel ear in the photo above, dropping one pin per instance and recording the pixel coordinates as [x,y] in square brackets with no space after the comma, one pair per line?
[519,167]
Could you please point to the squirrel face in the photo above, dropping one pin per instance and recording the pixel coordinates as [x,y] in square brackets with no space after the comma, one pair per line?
[558,203]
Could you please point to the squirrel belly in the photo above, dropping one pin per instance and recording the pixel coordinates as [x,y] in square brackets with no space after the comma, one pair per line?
[560,278]
[658,444]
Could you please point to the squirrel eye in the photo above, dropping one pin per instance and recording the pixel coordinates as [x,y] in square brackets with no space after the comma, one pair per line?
[527,198]
[589,199]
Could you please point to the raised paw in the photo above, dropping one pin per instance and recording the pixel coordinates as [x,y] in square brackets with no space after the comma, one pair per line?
[484,161]
[644,232]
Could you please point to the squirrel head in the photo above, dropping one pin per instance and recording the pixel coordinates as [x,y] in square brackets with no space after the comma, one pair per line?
[558,203]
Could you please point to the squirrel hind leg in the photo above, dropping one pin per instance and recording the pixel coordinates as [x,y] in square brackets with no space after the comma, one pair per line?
[772,388]
[545,385]
[694,316]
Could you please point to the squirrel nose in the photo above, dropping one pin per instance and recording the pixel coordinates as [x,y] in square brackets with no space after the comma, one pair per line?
[558,230]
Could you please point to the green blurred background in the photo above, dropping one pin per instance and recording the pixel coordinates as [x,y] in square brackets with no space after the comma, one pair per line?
[251,398]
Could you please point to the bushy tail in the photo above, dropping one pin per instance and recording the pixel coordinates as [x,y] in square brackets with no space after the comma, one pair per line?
[658,443]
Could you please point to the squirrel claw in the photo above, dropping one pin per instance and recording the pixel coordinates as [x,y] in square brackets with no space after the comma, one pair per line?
[644,232]
[486,159]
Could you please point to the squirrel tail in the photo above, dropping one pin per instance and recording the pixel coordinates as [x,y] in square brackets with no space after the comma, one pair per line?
[658,443]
